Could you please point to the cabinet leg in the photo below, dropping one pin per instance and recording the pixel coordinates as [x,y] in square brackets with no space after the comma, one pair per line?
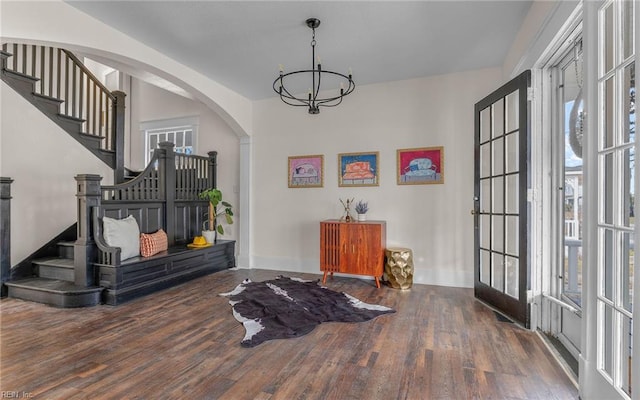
[324,278]
[377,282]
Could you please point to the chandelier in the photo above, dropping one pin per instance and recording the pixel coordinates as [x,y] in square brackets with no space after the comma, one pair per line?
[312,100]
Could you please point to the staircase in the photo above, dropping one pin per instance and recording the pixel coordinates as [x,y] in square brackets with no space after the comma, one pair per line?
[53,282]
[60,86]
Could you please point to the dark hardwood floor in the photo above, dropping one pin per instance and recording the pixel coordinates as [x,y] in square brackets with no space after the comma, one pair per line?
[183,343]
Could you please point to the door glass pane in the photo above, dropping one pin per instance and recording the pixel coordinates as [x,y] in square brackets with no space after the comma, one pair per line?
[485,125]
[608,38]
[512,194]
[485,160]
[513,152]
[627,336]
[512,111]
[497,266]
[512,235]
[628,190]
[485,267]
[606,272]
[627,28]
[497,233]
[498,156]
[498,118]
[485,231]
[512,276]
[485,195]
[629,92]
[607,336]
[498,194]
[607,189]
[609,117]
[627,271]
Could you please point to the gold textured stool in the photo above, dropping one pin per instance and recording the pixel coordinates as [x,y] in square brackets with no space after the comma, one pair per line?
[398,268]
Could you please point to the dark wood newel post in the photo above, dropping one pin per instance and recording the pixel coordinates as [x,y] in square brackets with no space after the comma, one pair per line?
[118,130]
[88,194]
[213,169]
[167,162]
[5,233]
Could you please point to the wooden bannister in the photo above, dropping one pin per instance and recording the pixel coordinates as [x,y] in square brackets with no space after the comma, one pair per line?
[5,233]
[62,76]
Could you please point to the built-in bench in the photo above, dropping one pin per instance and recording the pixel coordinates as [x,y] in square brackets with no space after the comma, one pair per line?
[164,196]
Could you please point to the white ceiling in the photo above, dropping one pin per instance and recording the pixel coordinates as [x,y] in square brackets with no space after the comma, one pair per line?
[241,43]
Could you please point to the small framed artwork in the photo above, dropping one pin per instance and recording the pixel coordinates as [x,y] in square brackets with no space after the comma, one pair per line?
[421,166]
[358,169]
[306,171]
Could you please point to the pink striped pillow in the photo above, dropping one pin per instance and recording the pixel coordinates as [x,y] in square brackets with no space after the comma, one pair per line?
[153,243]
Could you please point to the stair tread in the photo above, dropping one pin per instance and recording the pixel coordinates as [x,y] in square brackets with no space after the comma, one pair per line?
[55,262]
[48,98]
[20,75]
[66,243]
[70,118]
[5,54]
[52,285]
[91,136]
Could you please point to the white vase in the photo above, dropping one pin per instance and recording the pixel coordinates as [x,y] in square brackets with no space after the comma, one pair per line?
[362,217]
[210,236]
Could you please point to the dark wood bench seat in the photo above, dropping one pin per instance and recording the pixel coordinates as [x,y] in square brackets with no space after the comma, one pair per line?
[138,276]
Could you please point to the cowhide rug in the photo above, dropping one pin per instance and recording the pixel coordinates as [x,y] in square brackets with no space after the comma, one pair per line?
[291,307]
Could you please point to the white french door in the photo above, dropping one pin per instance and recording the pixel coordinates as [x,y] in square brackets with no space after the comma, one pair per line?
[609,361]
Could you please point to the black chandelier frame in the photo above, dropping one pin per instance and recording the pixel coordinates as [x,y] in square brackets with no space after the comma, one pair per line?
[313,102]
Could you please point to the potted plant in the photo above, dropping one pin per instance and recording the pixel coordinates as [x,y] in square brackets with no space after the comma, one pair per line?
[361,208]
[214,196]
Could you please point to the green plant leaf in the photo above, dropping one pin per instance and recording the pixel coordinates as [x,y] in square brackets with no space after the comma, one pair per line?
[229,219]
[220,230]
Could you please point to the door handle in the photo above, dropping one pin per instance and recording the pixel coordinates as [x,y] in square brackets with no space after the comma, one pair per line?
[474,212]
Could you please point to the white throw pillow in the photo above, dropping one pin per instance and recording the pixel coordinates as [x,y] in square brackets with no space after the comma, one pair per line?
[123,233]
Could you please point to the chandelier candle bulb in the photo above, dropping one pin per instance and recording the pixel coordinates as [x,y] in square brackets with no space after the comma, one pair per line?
[281,68]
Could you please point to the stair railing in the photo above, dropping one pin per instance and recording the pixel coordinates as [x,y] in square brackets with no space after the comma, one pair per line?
[61,75]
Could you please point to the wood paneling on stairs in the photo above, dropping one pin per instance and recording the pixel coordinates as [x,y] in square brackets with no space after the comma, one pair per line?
[184,343]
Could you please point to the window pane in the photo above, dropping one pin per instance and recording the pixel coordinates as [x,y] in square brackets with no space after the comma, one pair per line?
[512,276]
[627,271]
[485,231]
[188,138]
[497,230]
[607,189]
[180,139]
[498,156]
[485,195]
[627,327]
[513,153]
[572,277]
[512,206]
[608,38]
[498,195]
[627,28]
[606,272]
[153,141]
[629,92]
[485,125]
[609,118]
[628,191]
[485,267]
[498,118]
[512,111]
[607,337]
[485,160]
[497,267]
[512,235]
[170,137]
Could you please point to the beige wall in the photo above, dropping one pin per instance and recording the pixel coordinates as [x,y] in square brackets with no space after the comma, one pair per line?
[433,220]
[150,103]
[43,160]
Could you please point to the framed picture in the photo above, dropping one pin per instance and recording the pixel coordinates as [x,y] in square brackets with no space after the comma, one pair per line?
[421,166]
[306,171]
[358,169]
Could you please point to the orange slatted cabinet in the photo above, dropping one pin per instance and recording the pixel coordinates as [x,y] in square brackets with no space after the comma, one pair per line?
[353,248]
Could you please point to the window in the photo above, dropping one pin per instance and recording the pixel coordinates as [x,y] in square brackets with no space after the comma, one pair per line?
[181,132]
